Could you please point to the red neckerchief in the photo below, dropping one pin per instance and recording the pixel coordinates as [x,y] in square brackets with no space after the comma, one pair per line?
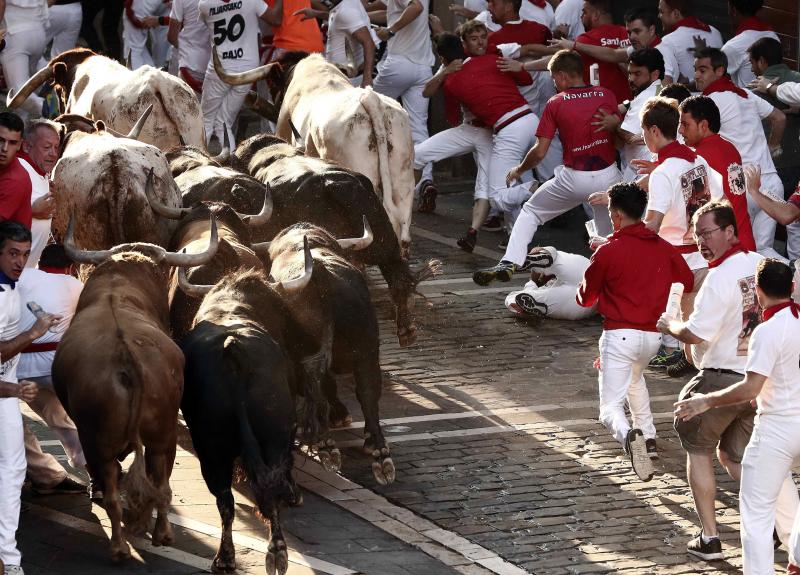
[50,270]
[28,159]
[656,41]
[724,84]
[773,309]
[538,3]
[734,250]
[753,23]
[676,150]
[692,22]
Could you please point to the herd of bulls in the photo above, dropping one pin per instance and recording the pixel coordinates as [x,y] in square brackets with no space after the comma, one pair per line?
[230,287]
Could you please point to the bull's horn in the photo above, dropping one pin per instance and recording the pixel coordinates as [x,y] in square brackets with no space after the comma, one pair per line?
[137,127]
[157,206]
[296,133]
[242,78]
[225,153]
[187,287]
[357,243]
[261,106]
[300,283]
[82,256]
[16,100]
[351,68]
[181,140]
[260,246]
[261,217]
[192,260]
[128,63]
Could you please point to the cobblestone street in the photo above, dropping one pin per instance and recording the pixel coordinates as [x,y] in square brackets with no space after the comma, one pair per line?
[502,466]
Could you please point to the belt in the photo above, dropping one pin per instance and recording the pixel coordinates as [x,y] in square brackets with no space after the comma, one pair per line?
[40,347]
[511,120]
[687,248]
[720,370]
[476,123]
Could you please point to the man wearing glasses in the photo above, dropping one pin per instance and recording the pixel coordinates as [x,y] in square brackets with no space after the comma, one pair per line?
[725,314]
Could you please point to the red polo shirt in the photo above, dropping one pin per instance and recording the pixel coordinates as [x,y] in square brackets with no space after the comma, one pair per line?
[611,75]
[523,32]
[629,278]
[15,194]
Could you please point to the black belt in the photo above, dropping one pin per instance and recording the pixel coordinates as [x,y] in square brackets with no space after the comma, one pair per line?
[720,370]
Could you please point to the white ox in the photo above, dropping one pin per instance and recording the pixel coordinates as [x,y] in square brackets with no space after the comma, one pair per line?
[102,89]
[353,127]
[101,180]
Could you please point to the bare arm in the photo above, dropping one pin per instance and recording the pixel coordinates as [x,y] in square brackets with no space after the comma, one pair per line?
[678,329]
[24,390]
[777,122]
[432,86]
[274,14]
[2,9]
[175,27]
[363,37]
[412,11]
[12,347]
[653,220]
[536,50]
[784,213]
[377,16]
[741,392]
[602,53]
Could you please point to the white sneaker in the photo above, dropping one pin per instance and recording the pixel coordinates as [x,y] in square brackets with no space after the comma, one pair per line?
[637,451]
[14,570]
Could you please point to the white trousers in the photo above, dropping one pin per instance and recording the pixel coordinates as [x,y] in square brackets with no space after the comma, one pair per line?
[20,60]
[65,26]
[401,79]
[569,188]
[768,497]
[463,139]
[49,408]
[220,103]
[624,354]
[134,39]
[509,147]
[12,475]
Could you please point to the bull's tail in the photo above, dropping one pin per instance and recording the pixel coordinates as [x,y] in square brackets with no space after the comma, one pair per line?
[371,103]
[270,483]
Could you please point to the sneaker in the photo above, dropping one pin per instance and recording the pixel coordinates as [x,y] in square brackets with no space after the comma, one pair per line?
[528,304]
[492,224]
[467,242]
[536,260]
[680,367]
[427,198]
[710,551]
[503,272]
[14,570]
[652,448]
[503,241]
[664,358]
[637,451]
[67,486]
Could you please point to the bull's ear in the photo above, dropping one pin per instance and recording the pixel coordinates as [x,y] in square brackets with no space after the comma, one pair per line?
[99,125]
[60,73]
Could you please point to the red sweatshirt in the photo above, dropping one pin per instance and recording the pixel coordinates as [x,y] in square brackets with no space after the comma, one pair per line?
[630,278]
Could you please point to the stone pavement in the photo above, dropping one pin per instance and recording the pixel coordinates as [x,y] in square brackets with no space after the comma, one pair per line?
[502,466]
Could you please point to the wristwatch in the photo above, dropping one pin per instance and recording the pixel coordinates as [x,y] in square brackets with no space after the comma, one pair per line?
[391,34]
[626,104]
[770,85]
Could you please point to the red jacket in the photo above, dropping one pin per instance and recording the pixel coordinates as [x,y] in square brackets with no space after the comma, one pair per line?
[630,278]
[15,194]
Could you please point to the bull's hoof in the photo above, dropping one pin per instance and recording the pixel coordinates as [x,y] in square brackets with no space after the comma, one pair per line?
[222,564]
[383,467]
[120,553]
[296,497]
[339,417]
[277,559]
[407,336]
[162,534]
[330,458]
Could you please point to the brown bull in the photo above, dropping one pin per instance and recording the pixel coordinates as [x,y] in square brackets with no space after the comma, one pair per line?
[120,378]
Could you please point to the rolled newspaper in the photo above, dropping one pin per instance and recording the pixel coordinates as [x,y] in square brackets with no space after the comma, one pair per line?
[674,301]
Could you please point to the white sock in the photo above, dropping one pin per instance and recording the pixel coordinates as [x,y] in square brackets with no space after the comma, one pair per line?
[709,538]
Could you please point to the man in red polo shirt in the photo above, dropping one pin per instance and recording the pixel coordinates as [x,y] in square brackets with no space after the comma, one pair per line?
[15,184]
[629,278]
[589,160]
[700,124]
[601,31]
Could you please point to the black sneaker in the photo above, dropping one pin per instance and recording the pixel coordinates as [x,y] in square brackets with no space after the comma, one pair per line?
[528,304]
[680,367]
[503,272]
[652,448]
[536,260]
[710,551]
[637,452]
[427,198]
[492,224]
[467,242]
[67,486]
[503,241]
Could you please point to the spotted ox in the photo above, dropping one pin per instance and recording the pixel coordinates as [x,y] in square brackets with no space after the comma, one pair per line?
[120,377]
[357,128]
[102,89]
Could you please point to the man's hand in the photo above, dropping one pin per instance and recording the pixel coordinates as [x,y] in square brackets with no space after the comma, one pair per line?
[150,21]
[42,324]
[752,178]
[460,10]
[509,65]
[699,44]
[562,43]
[307,14]
[44,207]
[605,121]
[760,84]
[513,175]
[662,324]
[435,23]
[561,31]
[598,199]
[695,405]
[597,241]
[383,34]
[453,67]
[644,166]
[27,390]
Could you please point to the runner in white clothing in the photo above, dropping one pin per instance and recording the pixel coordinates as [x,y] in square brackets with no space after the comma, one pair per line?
[348,21]
[772,378]
[145,20]
[678,18]
[25,22]
[748,30]
[234,33]
[567,21]
[65,26]
[192,39]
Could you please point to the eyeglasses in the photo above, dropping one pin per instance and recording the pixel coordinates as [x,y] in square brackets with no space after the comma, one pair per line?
[705,235]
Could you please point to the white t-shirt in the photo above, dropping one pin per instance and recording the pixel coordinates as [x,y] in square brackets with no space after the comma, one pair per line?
[569,13]
[632,124]
[40,229]
[678,43]
[738,59]
[194,39]
[773,352]
[726,312]
[476,5]
[486,18]
[233,26]
[544,16]
[10,309]
[57,294]
[740,120]
[345,18]
[414,40]
[789,93]
[678,188]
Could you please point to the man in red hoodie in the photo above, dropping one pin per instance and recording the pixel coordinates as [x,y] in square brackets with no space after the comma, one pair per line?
[629,278]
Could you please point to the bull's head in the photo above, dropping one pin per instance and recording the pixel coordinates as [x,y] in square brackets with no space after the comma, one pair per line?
[354,244]
[158,254]
[60,71]
[290,286]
